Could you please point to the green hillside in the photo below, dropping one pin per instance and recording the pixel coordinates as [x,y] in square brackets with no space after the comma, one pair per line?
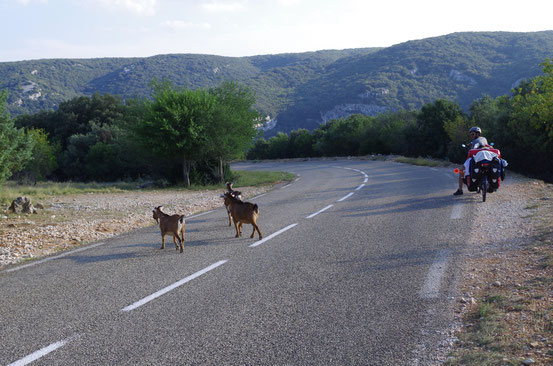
[43,84]
[303,89]
[459,67]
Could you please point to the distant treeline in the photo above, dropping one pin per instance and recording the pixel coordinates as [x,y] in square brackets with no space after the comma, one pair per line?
[520,125]
[177,135]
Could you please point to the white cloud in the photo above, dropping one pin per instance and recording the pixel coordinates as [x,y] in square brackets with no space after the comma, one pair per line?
[141,7]
[288,2]
[27,2]
[226,7]
[177,25]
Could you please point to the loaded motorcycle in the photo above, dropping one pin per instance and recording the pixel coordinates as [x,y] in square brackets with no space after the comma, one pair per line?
[485,170]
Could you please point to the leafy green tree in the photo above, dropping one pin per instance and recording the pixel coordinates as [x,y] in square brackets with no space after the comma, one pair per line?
[15,146]
[393,128]
[301,143]
[532,124]
[457,131]
[343,136]
[232,128]
[259,150]
[278,146]
[44,157]
[432,138]
[175,124]
[76,116]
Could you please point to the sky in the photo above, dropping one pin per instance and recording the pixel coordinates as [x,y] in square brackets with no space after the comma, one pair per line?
[38,29]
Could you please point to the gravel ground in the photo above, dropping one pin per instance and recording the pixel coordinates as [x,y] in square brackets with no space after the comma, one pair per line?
[509,239]
[70,221]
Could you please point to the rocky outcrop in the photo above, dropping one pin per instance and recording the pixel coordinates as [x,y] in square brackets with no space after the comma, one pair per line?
[346,110]
[461,78]
[22,205]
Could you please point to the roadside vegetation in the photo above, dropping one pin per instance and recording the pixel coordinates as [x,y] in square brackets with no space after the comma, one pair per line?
[43,190]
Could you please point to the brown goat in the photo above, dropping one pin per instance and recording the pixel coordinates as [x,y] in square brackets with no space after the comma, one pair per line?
[236,194]
[173,224]
[243,213]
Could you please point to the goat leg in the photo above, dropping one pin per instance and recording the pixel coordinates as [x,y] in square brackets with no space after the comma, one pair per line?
[255,227]
[162,241]
[181,244]
[236,227]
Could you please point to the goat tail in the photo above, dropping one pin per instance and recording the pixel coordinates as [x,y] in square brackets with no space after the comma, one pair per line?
[181,219]
[256,208]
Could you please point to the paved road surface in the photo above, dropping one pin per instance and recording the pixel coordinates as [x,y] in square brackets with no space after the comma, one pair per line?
[357,267]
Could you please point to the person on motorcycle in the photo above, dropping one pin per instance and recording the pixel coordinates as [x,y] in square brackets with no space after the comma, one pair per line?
[477,142]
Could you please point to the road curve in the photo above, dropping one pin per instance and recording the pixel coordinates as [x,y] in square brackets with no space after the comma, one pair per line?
[357,266]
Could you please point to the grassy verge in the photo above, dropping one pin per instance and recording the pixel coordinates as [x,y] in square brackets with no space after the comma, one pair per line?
[43,190]
[421,161]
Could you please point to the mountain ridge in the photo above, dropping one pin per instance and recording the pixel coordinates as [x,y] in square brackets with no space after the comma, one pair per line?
[302,90]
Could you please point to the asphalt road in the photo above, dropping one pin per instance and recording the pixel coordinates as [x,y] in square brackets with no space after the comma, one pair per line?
[358,266]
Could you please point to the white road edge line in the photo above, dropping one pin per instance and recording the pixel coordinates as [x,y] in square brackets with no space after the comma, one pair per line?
[55,257]
[318,212]
[361,186]
[433,282]
[173,286]
[41,352]
[457,211]
[346,196]
[259,242]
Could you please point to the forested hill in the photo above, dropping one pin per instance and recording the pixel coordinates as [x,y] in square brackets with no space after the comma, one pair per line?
[303,89]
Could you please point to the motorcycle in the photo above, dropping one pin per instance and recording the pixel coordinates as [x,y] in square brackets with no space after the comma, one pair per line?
[485,170]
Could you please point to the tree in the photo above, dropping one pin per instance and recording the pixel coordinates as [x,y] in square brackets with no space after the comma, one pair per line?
[432,138]
[232,129]
[532,124]
[43,161]
[301,143]
[175,124]
[278,146]
[15,146]
[258,150]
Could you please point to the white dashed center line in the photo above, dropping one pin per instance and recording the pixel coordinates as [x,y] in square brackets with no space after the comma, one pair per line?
[165,290]
[41,352]
[259,242]
[318,212]
[345,197]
